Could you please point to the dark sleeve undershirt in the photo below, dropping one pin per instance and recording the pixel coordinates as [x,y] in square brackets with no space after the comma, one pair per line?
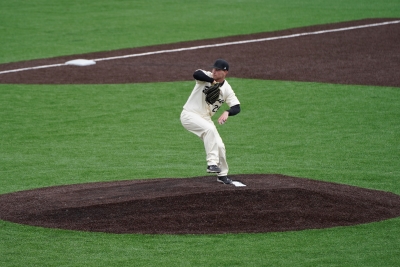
[201,76]
[234,110]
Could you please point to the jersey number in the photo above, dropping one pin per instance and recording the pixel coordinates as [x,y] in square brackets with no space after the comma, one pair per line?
[216,107]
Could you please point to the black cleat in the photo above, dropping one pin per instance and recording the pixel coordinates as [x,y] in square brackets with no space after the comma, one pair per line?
[224,180]
[213,169]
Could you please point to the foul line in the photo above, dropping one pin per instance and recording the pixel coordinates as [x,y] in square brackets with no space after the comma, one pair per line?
[215,45]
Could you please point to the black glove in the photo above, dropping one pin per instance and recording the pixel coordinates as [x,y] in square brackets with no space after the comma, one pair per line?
[212,93]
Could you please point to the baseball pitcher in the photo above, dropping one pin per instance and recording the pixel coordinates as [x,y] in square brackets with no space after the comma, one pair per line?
[208,95]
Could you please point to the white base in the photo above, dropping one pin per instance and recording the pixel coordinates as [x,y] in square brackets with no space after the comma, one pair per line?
[237,184]
[80,62]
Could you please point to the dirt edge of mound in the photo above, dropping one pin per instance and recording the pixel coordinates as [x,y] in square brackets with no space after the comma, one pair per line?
[199,205]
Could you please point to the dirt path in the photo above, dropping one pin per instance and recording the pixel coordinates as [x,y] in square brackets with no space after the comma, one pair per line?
[366,56]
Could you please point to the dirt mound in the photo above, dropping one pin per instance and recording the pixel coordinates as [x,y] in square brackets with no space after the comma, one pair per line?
[199,205]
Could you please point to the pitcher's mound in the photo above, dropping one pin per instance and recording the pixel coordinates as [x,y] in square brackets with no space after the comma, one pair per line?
[200,205]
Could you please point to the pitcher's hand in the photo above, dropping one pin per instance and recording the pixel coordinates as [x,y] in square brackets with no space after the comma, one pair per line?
[223,118]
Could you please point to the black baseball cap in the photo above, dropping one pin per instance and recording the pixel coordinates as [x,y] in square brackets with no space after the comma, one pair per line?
[221,64]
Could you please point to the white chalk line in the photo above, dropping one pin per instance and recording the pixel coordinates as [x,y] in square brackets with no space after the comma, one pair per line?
[215,45]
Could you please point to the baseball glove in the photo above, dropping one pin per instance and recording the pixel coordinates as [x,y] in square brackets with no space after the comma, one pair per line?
[212,93]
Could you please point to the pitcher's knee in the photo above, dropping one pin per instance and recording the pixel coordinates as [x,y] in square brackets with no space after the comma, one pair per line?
[208,132]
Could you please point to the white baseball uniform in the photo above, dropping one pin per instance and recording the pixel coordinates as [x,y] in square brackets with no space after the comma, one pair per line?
[196,118]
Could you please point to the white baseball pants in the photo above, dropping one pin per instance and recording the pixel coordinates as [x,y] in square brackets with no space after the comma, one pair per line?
[204,128]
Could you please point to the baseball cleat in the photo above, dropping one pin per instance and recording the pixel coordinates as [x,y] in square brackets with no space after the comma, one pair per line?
[213,169]
[224,180]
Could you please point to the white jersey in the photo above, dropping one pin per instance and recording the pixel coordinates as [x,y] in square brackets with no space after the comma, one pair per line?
[196,102]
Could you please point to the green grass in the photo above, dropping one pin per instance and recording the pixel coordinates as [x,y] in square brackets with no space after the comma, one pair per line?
[61,134]
[56,135]
[364,245]
[43,28]
[86,133]
[346,134]
[65,134]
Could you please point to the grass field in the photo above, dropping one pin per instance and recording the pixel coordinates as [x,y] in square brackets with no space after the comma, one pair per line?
[65,134]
